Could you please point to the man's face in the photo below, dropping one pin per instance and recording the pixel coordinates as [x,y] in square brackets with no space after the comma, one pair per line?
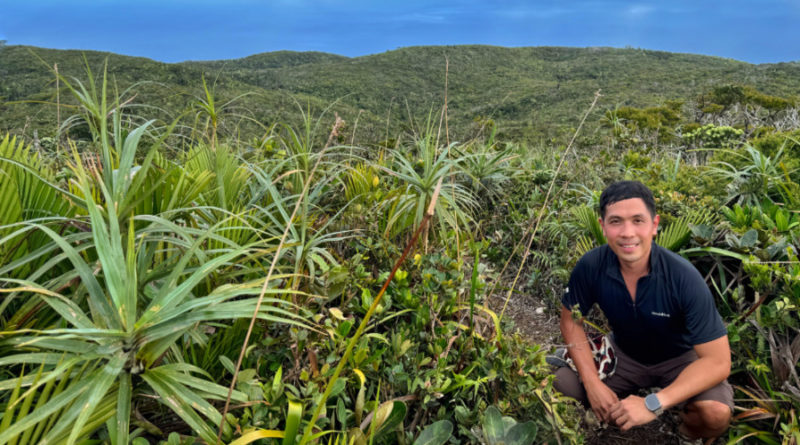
[630,229]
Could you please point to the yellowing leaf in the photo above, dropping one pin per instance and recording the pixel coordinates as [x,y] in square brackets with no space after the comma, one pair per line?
[253,436]
[361,376]
[337,313]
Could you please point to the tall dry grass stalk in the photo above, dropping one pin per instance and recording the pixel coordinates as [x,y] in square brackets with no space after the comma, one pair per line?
[534,226]
[421,229]
[58,102]
[307,434]
[447,140]
[336,127]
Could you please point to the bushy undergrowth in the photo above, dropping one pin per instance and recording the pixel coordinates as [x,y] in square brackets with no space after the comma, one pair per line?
[133,261]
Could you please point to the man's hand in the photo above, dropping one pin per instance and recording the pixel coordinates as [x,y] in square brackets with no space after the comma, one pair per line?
[631,412]
[602,399]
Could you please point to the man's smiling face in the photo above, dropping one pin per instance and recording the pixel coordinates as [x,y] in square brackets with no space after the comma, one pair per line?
[630,228]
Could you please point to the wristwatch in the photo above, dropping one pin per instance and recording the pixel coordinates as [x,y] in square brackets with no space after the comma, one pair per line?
[653,404]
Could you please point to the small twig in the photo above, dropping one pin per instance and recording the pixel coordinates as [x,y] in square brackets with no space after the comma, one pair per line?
[446,351]
[251,403]
[415,421]
[754,307]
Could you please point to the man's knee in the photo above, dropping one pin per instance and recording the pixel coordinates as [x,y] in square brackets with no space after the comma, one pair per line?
[711,414]
[568,383]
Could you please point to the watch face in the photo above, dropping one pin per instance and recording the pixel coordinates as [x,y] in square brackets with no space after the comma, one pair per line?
[652,403]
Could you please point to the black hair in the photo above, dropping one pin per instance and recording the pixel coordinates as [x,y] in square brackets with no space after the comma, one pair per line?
[622,190]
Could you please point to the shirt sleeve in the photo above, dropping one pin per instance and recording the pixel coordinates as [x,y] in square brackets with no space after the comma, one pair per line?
[579,290]
[703,322]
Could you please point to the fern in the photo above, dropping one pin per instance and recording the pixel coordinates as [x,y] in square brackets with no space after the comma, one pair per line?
[542,259]
[677,234]
[27,191]
[583,245]
[589,220]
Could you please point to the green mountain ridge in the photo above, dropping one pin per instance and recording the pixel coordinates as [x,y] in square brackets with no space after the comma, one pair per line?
[531,92]
[275,59]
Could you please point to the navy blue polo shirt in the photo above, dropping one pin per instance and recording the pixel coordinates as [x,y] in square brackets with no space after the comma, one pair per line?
[673,311]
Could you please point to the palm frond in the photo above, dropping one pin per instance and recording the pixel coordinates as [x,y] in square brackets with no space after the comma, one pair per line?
[678,233]
[589,221]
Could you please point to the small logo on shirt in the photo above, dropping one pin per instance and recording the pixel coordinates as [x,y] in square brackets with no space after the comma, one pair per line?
[660,314]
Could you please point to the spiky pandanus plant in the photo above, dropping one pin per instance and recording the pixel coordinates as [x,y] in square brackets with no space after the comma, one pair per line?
[416,181]
[124,289]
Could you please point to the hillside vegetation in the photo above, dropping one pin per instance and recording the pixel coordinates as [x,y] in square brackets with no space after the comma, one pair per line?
[533,93]
[312,249]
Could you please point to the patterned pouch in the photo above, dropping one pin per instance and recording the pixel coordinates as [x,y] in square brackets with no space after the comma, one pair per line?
[605,359]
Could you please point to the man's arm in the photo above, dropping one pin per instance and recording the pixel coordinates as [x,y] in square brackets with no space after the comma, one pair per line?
[601,397]
[713,365]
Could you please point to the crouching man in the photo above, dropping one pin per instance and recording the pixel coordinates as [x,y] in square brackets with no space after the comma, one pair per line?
[666,332]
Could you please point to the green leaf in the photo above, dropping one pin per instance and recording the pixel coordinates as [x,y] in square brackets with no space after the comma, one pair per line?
[522,434]
[493,426]
[96,293]
[588,220]
[170,297]
[180,372]
[26,405]
[227,364]
[8,415]
[749,239]
[696,251]
[74,390]
[253,436]
[122,416]
[293,417]
[675,235]
[85,405]
[388,422]
[277,383]
[782,220]
[65,307]
[702,231]
[436,433]
[174,396]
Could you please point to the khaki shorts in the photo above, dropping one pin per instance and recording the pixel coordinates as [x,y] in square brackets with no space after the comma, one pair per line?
[631,376]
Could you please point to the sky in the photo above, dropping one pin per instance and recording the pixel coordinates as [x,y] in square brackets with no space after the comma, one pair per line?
[755,31]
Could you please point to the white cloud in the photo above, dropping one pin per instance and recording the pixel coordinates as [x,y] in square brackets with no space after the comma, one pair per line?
[531,12]
[639,10]
[418,17]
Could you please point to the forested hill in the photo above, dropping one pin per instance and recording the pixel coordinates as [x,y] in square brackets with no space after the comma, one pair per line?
[529,92]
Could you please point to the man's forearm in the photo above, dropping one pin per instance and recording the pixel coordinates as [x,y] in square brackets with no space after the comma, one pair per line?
[578,347]
[601,398]
[712,367]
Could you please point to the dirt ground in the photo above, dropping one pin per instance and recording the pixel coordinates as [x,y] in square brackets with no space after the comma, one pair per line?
[537,322]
